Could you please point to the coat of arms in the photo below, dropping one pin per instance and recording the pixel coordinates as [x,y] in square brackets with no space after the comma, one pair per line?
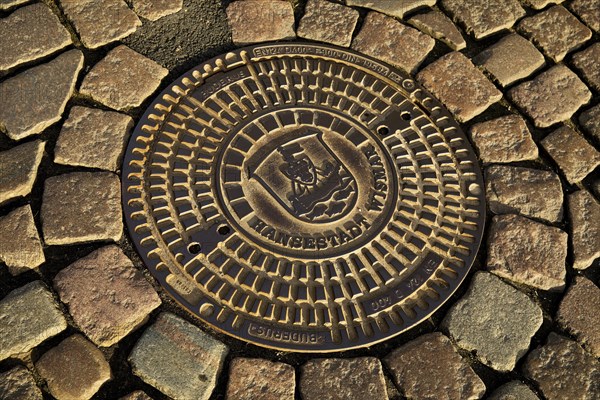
[306,177]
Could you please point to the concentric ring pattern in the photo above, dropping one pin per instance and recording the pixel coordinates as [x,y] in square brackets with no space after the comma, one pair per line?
[303,197]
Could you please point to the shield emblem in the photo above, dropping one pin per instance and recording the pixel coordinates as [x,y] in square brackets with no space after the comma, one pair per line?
[305,176]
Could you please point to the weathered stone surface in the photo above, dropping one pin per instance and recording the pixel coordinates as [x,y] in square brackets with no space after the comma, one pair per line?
[439,26]
[18,384]
[504,140]
[73,370]
[536,259]
[123,79]
[337,378]
[387,39]
[529,192]
[575,157]
[588,11]
[590,121]
[30,33]
[137,395]
[81,207]
[495,320]
[430,368]
[328,22]
[7,4]
[563,370]
[584,213]
[586,61]
[258,379]
[393,8]
[513,390]
[500,61]
[556,31]
[20,247]
[28,316]
[539,4]
[173,341]
[154,10]
[578,313]
[118,300]
[99,22]
[463,89]
[482,18]
[551,97]
[18,169]
[35,99]
[255,21]
[93,138]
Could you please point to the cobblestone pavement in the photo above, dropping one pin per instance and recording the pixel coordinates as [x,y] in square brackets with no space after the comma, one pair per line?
[81,318]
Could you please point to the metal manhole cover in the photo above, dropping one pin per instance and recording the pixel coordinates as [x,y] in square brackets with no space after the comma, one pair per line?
[303,197]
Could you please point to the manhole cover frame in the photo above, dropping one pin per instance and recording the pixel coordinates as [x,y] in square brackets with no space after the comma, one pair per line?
[281,338]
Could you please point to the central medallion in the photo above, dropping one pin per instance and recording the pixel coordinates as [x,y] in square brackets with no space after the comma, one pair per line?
[303,197]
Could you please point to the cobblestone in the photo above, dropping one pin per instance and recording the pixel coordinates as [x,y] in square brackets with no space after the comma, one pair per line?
[328,22]
[69,199]
[551,97]
[393,8]
[35,99]
[73,370]
[118,301]
[482,18]
[154,10]
[463,89]
[7,4]
[494,320]
[575,157]
[586,62]
[504,140]
[563,370]
[258,379]
[590,121]
[28,316]
[388,40]
[255,21]
[537,259]
[173,341]
[18,169]
[439,26]
[93,138]
[587,10]
[20,246]
[123,79]
[18,384]
[99,22]
[556,31]
[578,313]
[137,395]
[539,4]
[584,213]
[529,192]
[336,379]
[430,368]
[513,390]
[30,33]
[500,61]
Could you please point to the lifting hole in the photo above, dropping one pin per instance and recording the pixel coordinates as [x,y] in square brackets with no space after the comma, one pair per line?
[223,230]
[406,116]
[383,130]
[194,248]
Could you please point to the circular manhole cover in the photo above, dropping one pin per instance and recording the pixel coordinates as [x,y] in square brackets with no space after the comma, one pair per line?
[303,197]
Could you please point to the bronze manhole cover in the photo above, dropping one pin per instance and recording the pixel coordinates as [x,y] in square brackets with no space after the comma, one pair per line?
[303,197]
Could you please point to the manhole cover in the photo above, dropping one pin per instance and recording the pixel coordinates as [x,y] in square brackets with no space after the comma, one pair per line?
[303,197]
